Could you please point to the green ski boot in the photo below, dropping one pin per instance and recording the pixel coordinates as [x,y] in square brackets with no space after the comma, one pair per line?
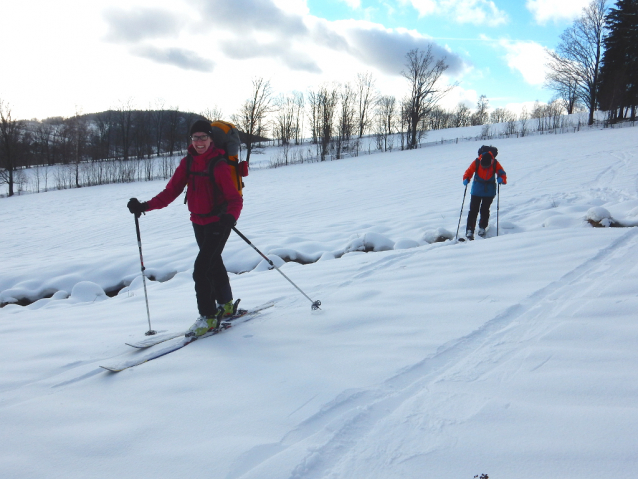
[202,326]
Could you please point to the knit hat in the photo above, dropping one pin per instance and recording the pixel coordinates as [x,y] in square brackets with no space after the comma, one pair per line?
[486,159]
[202,126]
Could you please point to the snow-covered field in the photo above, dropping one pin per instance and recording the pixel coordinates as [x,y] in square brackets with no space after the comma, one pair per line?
[514,356]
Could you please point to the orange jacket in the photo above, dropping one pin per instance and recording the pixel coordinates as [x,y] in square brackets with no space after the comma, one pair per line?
[484,183]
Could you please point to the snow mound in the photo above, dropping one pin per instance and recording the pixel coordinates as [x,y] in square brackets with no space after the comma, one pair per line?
[87,292]
[598,214]
[600,217]
[369,242]
[438,235]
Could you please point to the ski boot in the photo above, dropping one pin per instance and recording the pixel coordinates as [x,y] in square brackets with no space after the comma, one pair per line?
[469,234]
[482,232]
[227,310]
[202,326]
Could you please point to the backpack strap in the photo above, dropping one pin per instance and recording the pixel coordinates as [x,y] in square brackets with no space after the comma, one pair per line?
[480,180]
[219,208]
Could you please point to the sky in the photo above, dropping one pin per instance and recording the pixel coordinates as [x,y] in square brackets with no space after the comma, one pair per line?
[62,57]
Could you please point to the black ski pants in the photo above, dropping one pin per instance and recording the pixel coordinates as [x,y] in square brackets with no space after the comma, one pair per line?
[479,204]
[211,278]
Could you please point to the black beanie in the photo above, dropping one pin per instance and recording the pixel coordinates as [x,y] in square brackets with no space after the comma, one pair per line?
[486,159]
[202,126]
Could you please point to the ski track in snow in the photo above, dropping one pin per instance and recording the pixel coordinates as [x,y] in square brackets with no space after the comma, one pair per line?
[321,444]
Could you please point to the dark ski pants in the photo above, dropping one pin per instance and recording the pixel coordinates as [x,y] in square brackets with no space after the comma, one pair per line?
[210,275]
[479,204]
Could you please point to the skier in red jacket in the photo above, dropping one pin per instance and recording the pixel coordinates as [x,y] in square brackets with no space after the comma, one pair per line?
[486,172]
[215,205]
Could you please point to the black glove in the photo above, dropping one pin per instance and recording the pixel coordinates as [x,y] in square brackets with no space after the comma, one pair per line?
[228,220]
[136,208]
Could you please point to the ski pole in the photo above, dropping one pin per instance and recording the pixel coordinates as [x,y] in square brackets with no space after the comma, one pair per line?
[498,204]
[461,215]
[150,331]
[315,304]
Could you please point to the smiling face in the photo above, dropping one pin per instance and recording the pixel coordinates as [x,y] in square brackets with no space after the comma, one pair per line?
[201,142]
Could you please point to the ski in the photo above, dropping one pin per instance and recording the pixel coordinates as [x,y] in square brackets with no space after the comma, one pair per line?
[161,338]
[185,341]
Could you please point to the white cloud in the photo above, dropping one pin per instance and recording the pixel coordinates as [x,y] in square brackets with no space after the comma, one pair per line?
[297,7]
[476,12]
[424,7]
[460,95]
[526,57]
[555,10]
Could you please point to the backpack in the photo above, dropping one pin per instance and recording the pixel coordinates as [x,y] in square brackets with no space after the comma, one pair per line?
[485,148]
[226,137]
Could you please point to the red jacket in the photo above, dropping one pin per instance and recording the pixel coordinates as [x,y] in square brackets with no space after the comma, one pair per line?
[201,192]
[485,173]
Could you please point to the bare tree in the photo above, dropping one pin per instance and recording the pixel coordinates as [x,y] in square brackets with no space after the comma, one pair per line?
[284,120]
[423,73]
[499,115]
[346,120]
[299,116]
[158,118]
[481,115]
[124,124]
[461,115]
[328,98]
[213,114]
[566,89]
[386,119]
[576,61]
[313,106]
[172,130]
[252,114]
[366,98]
[9,140]
[523,119]
[78,132]
[539,113]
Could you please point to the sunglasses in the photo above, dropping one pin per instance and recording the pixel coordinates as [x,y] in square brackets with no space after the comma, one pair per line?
[200,137]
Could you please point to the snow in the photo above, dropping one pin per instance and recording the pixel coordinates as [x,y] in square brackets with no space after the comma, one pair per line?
[513,356]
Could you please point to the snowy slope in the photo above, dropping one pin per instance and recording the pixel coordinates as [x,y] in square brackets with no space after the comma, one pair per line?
[513,356]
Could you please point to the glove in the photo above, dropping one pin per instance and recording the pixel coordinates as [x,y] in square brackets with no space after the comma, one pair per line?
[136,208]
[228,220]
[499,180]
[465,182]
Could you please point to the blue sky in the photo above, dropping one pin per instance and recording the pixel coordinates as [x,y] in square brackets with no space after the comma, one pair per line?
[78,56]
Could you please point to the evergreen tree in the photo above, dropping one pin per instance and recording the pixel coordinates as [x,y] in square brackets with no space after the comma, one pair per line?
[619,71]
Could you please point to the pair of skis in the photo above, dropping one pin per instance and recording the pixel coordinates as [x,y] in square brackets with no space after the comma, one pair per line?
[184,341]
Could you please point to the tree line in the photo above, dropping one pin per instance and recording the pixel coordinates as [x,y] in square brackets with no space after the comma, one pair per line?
[117,135]
[596,61]
[331,116]
[594,67]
